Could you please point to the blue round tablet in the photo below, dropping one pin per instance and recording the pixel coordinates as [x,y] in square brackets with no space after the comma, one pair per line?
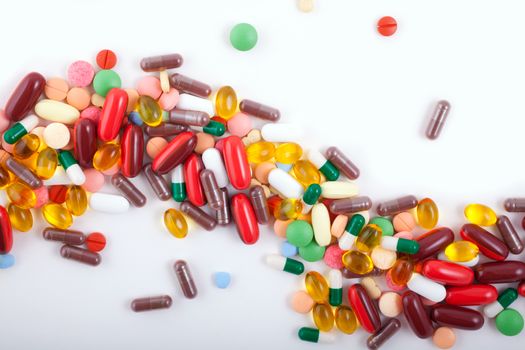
[222,279]
[6,261]
[288,250]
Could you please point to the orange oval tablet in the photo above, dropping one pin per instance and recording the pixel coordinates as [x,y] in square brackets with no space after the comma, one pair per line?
[280,226]
[339,225]
[79,98]
[155,145]
[262,170]
[302,302]
[56,89]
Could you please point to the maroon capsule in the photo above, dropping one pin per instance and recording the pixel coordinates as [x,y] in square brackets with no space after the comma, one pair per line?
[500,272]
[432,242]
[70,237]
[350,205]
[259,110]
[350,275]
[6,232]
[25,96]
[165,129]
[175,152]
[223,215]
[341,161]
[416,315]
[158,183]
[160,63]
[189,117]
[259,204]
[185,279]
[396,205]
[198,215]
[80,254]
[514,204]
[23,173]
[435,125]
[509,234]
[128,190]
[85,141]
[151,303]
[190,86]
[132,150]
[489,245]
[457,317]
[211,189]
[386,332]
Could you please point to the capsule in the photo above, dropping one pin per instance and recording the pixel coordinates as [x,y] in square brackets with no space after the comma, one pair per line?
[259,204]
[259,152]
[505,299]
[112,114]
[345,319]
[335,294]
[480,214]
[174,153]
[427,288]
[364,308]
[25,96]
[282,263]
[351,275]
[192,168]
[149,111]
[20,129]
[107,156]
[396,206]
[313,335]
[69,237]
[26,146]
[259,110]
[108,203]
[357,262]
[151,303]
[21,195]
[350,205]
[341,161]
[212,160]
[402,271]
[211,189]
[191,86]
[128,190]
[323,317]
[285,184]
[427,213]
[352,230]
[316,286]
[509,234]
[23,173]
[488,244]
[175,223]
[132,150]
[306,173]
[468,263]
[236,162]
[194,103]
[226,102]
[157,183]
[21,219]
[244,218]
[369,238]
[472,295]
[223,215]
[85,141]
[76,200]
[57,216]
[461,251]
[198,215]
[416,315]
[287,209]
[189,117]
[46,163]
[376,340]
[432,242]
[214,128]
[185,279]
[400,245]
[6,232]
[281,132]
[81,255]
[514,205]
[447,273]
[160,63]
[288,153]
[323,165]
[500,272]
[165,130]
[457,317]
[5,178]
[436,122]
[310,197]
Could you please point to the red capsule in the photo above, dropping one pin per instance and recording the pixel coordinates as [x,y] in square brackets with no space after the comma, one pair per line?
[6,232]
[112,114]
[500,272]
[364,308]
[489,245]
[432,242]
[174,153]
[192,169]
[236,162]
[416,315]
[475,294]
[25,96]
[521,288]
[447,273]
[244,217]
[457,317]
[85,141]
[132,150]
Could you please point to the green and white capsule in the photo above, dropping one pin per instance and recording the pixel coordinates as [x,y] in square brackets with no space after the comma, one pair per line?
[335,279]
[352,230]
[282,263]
[313,335]
[325,166]
[73,170]
[400,245]
[21,128]
[505,298]
[178,186]
[310,197]
[213,128]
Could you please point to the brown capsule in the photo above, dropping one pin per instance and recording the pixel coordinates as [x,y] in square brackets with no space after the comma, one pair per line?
[341,161]
[160,63]
[165,129]
[223,215]
[509,234]
[80,254]
[396,205]
[259,110]
[350,205]
[25,96]
[432,242]
[128,190]
[198,215]
[189,117]
[70,237]
[185,279]
[190,86]
[435,125]
[488,244]
[158,183]
[416,315]
[211,189]
[457,317]
[23,173]
[350,275]
[383,334]
[259,204]
[500,272]
[514,204]
[151,303]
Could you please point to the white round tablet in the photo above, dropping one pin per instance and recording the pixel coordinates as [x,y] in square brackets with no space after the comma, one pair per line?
[56,135]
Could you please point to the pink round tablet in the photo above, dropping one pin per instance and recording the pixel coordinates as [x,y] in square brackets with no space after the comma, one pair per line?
[262,170]
[168,101]
[204,141]
[404,222]
[4,121]
[339,225]
[94,180]
[280,226]
[155,145]
[80,73]
[404,234]
[149,86]
[333,257]
[92,113]
[302,302]
[240,125]
[42,196]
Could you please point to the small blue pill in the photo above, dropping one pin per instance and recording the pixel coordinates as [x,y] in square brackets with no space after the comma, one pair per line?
[6,261]
[288,250]
[285,167]
[134,117]
[222,279]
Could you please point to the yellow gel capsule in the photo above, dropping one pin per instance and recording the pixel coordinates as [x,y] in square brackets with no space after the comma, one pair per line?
[226,102]
[5,178]
[427,213]
[20,218]
[57,216]
[260,152]
[46,163]
[175,223]
[461,251]
[26,146]
[480,214]
[288,209]
[106,156]
[76,200]
[357,262]
[316,286]
[323,317]
[369,238]
[306,173]
[149,111]
[21,195]
[345,319]
[288,153]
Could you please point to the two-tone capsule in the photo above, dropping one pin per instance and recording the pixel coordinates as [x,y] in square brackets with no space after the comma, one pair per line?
[282,263]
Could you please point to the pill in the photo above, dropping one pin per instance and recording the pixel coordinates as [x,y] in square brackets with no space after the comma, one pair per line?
[25,96]
[80,98]
[6,261]
[95,242]
[437,120]
[387,26]
[240,124]
[56,89]
[243,36]
[488,244]
[151,303]
[514,204]
[505,299]
[390,304]
[313,335]
[160,63]
[56,135]
[195,103]
[56,111]
[108,203]
[340,189]
[81,255]
[282,263]
[509,234]
[69,237]
[433,242]
[509,322]
[447,273]
[475,294]
[364,308]
[500,271]
[175,153]
[106,80]
[444,338]
[288,250]
[106,59]
[185,279]
[302,302]
[222,279]
[205,220]
[383,258]
[223,215]
[480,214]
[416,315]
[333,257]
[204,142]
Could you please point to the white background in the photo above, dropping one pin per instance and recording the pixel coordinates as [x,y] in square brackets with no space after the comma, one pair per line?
[330,72]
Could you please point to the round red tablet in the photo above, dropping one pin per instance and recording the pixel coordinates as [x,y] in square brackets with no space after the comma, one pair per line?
[95,242]
[106,59]
[387,26]
[57,193]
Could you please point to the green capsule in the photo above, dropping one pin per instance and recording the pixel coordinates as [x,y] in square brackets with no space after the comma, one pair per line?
[214,128]
[282,263]
[19,129]
[178,192]
[312,194]
[355,224]
[314,336]
[329,171]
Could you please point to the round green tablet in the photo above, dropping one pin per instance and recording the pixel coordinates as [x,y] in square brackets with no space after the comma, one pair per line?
[312,252]
[243,36]
[299,233]
[386,225]
[106,80]
[509,322]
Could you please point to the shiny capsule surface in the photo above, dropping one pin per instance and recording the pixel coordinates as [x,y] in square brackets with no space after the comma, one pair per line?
[401,272]
[514,204]
[480,214]
[288,209]
[488,244]
[70,237]
[427,213]
[259,152]
[461,251]
[5,178]
[174,153]
[189,117]
[165,129]
[397,205]
[175,223]
[25,96]
[6,232]
[259,110]
[182,271]
[500,272]
[323,317]
[132,150]
[306,173]
[288,153]
[357,262]
[345,319]
[350,205]
[85,141]
[112,114]
[236,162]
[472,295]
[316,286]
[76,200]
[226,102]
[193,166]
[81,255]
[128,190]
[457,317]
[432,242]
[436,122]
[369,238]
[23,173]
[364,309]
[57,216]
[190,86]
[106,157]
[160,63]
[149,111]
[342,162]
[223,215]
[447,273]
[511,238]
[260,204]
[21,219]
[26,146]
[211,189]
[21,195]
[198,215]
[158,183]
[244,217]
[151,303]
[46,163]
[416,315]
[386,332]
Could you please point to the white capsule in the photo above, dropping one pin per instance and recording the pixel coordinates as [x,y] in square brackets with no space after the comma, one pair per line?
[335,279]
[427,288]
[108,203]
[276,261]
[346,241]
[326,338]
[59,178]
[338,189]
[316,158]
[29,122]
[177,175]
[75,174]
[285,184]
[321,224]
[389,242]
[493,309]
[194,103]
[212,160]
[470,263]
[282,132]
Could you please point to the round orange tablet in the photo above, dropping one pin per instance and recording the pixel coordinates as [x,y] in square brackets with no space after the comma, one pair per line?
[79,98]
[404,222]
[262,170]
[155,145]
[204,141]
[56,89]
[302,302]
[444,338]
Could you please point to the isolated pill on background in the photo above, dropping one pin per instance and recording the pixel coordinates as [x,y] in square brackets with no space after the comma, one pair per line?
[151,303]
[108,203]
[187,284]
[345,165]
[160,63]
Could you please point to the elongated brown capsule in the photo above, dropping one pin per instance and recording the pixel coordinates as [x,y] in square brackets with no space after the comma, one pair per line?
[23,173]
[223,215]
[211,189]
[259,110]
[190,86]
[260,204]
[350,205]
[159,63]
[514,204]
[383,334]
[151,303]
[435,125]
[396,205]
[510,235]
[198,215]
[80,254]
[185,279]
[158,183]
[70,237]
[128,190]
[189,117]
[165,129]
[341,161]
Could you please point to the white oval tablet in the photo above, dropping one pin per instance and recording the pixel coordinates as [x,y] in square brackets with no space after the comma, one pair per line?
[56,111]
[187,101]
[212,160]
[282,132]
[338,189]
[285,184]
[108,203]
[321,224]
